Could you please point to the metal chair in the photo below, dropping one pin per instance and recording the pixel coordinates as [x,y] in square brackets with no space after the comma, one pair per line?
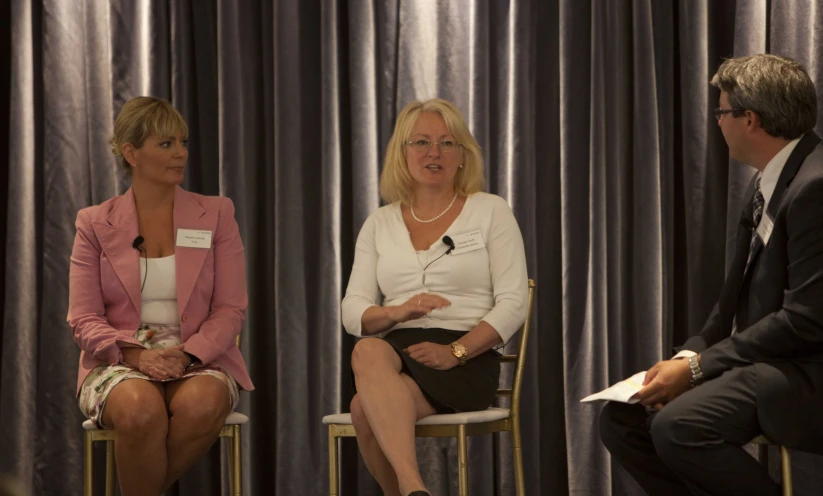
[785,463]
[230,431]
[458,425]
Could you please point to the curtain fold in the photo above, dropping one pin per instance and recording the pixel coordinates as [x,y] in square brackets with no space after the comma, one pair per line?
[595,123]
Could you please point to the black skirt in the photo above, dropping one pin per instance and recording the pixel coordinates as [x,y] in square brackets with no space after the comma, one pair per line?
[469,387]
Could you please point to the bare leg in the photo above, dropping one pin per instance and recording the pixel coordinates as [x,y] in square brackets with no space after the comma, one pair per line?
[198,406]
[375,459]
[391,403]
[136,410]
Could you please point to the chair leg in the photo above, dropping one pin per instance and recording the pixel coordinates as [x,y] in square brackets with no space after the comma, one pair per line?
[88,463]
[236,465]
[334,482]
[786,469]
[517,448]
[111,477]
[462,461]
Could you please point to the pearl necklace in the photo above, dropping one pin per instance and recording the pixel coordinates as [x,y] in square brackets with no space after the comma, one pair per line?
[441,214]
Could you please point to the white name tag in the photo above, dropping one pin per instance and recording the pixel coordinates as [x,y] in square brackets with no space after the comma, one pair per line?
[764,229]
[192,238]
[464,243]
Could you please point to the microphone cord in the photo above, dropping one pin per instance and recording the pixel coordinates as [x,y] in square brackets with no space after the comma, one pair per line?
[448,242]
[137,244]
[146,265]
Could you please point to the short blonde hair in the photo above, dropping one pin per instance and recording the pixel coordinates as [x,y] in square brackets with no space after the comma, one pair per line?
[396,182]
[141,117]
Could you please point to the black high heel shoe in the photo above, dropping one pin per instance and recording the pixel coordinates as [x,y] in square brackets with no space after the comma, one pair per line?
[419,493]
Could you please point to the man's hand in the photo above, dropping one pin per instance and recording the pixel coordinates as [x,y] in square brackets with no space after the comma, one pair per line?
[664,382]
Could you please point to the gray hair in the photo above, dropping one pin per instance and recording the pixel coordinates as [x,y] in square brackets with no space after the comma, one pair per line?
[778,88]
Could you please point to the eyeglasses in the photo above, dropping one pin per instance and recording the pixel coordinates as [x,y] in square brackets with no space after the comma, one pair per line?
[424,145]
[719,112]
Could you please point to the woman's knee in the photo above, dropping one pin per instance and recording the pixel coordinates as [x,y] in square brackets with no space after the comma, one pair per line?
[368,354]
[136,410]
[206,408]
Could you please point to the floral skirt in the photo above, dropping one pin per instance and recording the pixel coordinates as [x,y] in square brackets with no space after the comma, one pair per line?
[100,381]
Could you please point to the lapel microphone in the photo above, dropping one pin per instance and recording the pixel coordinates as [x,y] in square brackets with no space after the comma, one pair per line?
[448,242]
[137,244]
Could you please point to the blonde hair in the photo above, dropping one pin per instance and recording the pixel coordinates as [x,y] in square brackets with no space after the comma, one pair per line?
[141,117]
[396,182]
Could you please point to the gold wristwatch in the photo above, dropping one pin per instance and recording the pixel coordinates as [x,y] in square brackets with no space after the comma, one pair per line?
[460,352]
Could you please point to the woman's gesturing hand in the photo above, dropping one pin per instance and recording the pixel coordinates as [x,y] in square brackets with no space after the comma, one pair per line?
[417,306]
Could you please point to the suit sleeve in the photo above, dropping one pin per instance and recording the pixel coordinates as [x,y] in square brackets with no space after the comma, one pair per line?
[797,328]
[229,298]
[87,311]
[713,332]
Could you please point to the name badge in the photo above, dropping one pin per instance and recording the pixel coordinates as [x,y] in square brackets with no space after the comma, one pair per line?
[764,229]
[464,243]
[192,238]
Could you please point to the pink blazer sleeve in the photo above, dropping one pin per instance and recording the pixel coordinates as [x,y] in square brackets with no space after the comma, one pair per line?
[229,299]
[87,310]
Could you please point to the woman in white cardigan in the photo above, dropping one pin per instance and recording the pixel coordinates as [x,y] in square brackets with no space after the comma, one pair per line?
[439,277]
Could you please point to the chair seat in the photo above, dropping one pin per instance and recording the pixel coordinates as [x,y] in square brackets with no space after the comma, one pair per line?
[234,418]
[478,417]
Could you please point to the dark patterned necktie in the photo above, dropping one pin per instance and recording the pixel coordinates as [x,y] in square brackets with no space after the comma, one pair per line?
[757,213]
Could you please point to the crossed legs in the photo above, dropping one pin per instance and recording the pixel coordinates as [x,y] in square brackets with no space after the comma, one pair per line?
[160,430]
[387,405]
[693,445]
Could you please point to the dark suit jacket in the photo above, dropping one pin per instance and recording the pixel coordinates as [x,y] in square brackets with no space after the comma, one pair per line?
[779,306]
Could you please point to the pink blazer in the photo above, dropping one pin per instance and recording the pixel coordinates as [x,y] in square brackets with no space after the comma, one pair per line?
[104,283]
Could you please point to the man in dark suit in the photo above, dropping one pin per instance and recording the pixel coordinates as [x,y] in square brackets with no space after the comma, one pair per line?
[757,365]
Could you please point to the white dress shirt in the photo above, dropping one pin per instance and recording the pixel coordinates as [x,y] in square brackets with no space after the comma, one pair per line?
[489,283]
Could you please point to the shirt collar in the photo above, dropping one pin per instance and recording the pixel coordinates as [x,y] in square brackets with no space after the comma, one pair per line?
[768,180]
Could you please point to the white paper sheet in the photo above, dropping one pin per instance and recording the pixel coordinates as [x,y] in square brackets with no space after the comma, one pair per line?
[622,391]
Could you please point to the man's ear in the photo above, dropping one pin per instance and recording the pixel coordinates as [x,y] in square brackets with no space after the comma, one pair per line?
[753,121]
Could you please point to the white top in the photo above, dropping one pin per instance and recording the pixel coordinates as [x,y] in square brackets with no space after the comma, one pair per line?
[159,304]
[488,283]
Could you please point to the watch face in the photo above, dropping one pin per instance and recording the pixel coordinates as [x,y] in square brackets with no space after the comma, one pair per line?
[459,350]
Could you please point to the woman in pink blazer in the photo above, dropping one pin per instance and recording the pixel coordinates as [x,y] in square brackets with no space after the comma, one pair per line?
[157,297]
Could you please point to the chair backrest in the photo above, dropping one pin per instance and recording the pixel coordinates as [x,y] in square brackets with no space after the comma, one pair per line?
[519,359]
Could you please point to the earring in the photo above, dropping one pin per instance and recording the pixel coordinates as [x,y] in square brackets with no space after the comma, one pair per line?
[460,166]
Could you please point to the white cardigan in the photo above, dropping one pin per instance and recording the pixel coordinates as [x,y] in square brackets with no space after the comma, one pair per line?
[488,284]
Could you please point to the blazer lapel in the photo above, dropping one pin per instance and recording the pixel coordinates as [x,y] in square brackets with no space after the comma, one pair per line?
[189,214]
[116,235]
[806,145]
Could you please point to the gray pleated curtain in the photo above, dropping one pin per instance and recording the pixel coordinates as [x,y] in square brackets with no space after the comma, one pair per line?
[594,117]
